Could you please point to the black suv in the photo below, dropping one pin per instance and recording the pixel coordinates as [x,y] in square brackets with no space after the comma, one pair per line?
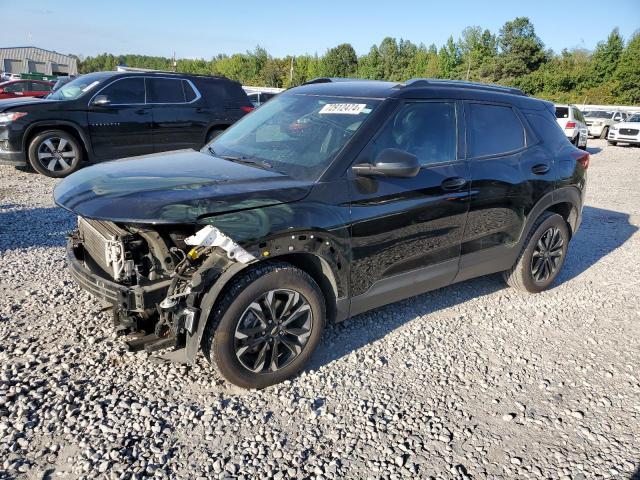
[107,115]
[333,198]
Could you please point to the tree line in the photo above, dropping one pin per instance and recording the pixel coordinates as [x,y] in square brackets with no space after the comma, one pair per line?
[515,56]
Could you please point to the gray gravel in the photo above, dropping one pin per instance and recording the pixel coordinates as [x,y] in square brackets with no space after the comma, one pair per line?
[474,380]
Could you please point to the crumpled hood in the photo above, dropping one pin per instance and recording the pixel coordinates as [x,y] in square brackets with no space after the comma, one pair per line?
[173,187]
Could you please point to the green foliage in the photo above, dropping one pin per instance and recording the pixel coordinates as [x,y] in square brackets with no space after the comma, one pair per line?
[340,61]
[627,74]
[515,57]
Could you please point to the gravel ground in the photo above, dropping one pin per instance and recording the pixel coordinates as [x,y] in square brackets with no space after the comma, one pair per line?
[474,380]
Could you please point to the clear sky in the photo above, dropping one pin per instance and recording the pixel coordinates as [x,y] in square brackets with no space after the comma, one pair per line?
[202,29]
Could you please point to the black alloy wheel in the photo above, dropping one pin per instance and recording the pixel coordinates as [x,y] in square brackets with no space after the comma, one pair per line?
[266,325]
[547,255]
[273,331]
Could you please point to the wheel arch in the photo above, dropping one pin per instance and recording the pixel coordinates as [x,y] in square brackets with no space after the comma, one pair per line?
[66,126]
[314,265]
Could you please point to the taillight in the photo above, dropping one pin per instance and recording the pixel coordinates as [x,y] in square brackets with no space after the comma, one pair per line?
[583,159]
[246,109]
[570,125]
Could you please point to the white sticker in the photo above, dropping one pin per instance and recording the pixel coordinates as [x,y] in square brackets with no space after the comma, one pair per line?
[90,86]
[343,108]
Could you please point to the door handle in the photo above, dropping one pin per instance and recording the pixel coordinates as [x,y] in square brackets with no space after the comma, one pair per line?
[454,183]
[140,111]
[540,169]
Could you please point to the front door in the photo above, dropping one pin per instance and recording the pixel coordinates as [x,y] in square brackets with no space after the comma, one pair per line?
[122,127]
[406,232]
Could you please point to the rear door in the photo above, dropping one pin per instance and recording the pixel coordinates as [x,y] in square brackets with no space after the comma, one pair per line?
[121,127]
[406,232]
[178,118]
[505,184]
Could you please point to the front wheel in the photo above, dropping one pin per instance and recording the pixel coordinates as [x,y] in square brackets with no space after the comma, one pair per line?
[270,322]
[612,143]
[55,153]
[542,255]
[605,132]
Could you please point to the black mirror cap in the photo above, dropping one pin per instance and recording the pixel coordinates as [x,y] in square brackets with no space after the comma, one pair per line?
[390,162]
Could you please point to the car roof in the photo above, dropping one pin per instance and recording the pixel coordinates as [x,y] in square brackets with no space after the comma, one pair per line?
[420,88]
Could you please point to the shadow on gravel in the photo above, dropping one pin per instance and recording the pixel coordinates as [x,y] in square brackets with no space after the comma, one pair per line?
[343,338]
[33,227]
[602,232]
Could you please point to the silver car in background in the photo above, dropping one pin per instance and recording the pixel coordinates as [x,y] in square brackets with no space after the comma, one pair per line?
[600,121]
[574,125]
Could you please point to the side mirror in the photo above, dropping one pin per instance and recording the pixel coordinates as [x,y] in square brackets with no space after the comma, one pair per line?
[101,101]
[390,162]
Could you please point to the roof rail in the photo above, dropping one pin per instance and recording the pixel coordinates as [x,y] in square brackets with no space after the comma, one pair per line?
[425,82]
[330,80]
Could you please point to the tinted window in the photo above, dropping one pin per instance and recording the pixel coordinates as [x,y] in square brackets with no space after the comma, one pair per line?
[493,130]
[578,115]
[165,90]
[189,94]
[562,112]
[40,87]
[548,130]
[125,91]
[16,87]
[427,130]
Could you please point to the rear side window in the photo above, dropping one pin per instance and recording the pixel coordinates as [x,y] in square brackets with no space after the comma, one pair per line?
[189,94]
[562,112]
[493,130]
[165,90]
[39,87]
[548,130]
[425,129]
[125,91]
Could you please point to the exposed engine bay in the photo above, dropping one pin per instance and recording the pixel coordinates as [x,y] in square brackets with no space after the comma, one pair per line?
[160,272]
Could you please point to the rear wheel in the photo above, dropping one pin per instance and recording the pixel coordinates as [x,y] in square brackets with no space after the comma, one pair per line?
[542,255]
[270,322]
[55,153]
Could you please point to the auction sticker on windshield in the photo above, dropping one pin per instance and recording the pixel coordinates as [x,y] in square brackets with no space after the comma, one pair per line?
[343,108]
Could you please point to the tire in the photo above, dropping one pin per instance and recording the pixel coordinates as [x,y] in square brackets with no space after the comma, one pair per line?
[242,348]
[55,153]
[604,133]
[576,141]
[213,133]
[522,276]
[612,143]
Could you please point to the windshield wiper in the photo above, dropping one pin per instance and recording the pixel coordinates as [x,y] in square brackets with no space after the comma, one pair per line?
[243,160]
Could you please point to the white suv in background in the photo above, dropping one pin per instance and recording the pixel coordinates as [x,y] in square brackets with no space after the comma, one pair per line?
[573,124]
[600,121]
[625,132]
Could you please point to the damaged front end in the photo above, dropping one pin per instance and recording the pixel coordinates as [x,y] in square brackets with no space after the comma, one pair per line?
[152,277]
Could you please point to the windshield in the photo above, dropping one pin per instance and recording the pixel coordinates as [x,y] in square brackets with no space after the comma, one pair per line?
[298,135]
[634,118]
[78,87]
[598,114]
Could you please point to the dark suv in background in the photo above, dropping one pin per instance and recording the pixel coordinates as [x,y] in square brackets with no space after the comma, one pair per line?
[107,115]
[329,200]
